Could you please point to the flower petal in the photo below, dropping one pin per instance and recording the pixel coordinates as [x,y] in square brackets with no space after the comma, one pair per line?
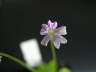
[43,32]
[44,29]
[63,40]
[45,40]
[45,26]
[57,41]
[57,44]
[52,25]
[55,25]
[61,30]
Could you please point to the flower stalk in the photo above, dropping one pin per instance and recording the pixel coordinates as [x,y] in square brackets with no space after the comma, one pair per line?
[53,51]
[54,55]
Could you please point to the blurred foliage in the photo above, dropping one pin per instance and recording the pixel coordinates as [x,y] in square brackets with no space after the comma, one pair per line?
[65,69]
[49,67]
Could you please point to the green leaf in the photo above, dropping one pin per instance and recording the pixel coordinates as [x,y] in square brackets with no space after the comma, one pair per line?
[65,69]
[48,67]
[52,66]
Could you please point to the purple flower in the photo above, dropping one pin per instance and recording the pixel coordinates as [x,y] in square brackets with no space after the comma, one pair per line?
[54,34]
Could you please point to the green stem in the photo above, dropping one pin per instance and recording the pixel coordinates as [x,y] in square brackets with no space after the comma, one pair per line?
[53,51]
[18,61]
[54,55]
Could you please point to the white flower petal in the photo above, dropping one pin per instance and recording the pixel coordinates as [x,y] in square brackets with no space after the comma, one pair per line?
[45,41]
[57,44]
[63,40]
[31,52]
[61,30]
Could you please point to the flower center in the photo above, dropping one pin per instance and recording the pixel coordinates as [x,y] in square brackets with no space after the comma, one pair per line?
[51,32]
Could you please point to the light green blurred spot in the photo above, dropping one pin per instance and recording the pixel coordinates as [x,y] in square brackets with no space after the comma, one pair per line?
[65,70]
[0,58]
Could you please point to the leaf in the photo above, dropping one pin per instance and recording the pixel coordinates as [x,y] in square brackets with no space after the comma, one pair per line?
[65,69]
[48,67]
[52,66]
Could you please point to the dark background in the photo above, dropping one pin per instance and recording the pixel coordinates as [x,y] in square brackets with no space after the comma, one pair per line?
[21,20]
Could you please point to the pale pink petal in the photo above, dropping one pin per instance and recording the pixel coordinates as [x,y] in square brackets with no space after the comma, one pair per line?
[43,32]
[63,40]
[55,25]
[61,30]
[57,44]
[52,25]
[57,41]
[49,22]
[45,41]
[45,26]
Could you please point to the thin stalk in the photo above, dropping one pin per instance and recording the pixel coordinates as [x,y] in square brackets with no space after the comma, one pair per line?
[53,51]
[54,55]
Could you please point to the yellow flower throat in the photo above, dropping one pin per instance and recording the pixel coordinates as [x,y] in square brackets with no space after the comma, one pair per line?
[51,31]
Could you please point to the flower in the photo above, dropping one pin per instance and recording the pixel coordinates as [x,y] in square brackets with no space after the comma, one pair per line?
[54,34]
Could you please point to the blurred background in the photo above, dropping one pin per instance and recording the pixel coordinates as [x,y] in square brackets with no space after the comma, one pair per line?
[21,20]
